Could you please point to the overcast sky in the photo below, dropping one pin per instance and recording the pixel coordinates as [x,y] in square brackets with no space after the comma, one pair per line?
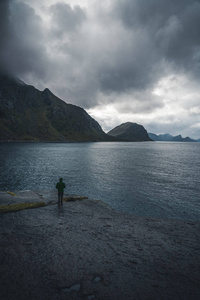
[121,60]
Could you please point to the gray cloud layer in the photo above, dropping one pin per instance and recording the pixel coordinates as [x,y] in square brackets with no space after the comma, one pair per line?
[66,19]
[102,54]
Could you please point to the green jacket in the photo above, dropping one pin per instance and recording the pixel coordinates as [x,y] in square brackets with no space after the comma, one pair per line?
[60,186]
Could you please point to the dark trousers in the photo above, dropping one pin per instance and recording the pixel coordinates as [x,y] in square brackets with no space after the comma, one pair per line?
[60,198]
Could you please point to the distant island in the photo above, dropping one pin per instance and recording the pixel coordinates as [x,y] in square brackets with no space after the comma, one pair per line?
[30,115]
[169,138]
[130,132]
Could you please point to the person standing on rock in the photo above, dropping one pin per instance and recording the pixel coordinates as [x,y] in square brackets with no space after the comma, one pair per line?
[60,186]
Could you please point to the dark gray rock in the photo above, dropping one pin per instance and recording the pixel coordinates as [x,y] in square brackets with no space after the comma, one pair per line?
[70,252]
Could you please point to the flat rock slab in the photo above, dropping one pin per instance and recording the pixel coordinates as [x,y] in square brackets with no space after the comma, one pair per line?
[47,196]
[26,196]
[86,250]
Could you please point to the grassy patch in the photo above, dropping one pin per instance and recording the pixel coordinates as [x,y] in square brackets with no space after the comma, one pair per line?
[11,193]
[20,206]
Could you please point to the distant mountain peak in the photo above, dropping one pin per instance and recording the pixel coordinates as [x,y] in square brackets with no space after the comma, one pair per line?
[48,92]
[169,138]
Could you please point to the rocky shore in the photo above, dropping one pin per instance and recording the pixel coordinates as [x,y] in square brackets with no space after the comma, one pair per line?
[86,250]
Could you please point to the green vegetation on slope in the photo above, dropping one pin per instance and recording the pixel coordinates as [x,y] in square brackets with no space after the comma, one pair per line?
[20,206]
[27,114]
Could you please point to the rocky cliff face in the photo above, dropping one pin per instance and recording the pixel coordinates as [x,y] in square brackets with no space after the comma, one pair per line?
[27,114]
[130,132]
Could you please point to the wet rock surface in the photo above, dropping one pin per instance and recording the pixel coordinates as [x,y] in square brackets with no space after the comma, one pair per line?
[85,250]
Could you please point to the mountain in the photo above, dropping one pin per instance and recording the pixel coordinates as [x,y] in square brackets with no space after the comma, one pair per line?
[169,138]
[179,138]
[160,137]
[130,132]
[27,114]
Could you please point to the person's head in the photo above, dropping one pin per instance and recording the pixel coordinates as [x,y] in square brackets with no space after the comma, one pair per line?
[61,179]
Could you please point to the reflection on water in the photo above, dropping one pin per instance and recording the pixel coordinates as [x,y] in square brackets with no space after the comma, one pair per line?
[157,179]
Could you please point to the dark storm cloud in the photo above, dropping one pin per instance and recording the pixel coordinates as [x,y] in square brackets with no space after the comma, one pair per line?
[23,50]
[65,18]
[4,26]
[99,55]
[4,14]
[134,65]
[158,36]
[172,25]
[37,52]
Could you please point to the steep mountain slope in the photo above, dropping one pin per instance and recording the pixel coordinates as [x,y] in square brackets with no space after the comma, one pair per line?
[27,114]
[130,132]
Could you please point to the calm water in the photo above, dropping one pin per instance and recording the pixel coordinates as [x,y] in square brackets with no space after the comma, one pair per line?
[158,179]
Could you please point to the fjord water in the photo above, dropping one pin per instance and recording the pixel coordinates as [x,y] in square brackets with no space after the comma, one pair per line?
[155,179]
